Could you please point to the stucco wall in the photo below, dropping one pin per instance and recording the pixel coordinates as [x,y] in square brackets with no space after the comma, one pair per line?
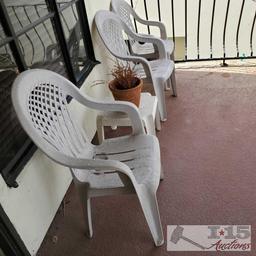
[42,184]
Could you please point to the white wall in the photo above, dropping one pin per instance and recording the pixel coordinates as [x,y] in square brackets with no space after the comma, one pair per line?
[32,206]
[42,184]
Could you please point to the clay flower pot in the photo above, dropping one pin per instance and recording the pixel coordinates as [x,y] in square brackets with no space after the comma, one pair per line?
[132,95]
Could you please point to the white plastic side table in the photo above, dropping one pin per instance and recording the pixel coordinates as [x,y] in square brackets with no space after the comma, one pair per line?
[148,111]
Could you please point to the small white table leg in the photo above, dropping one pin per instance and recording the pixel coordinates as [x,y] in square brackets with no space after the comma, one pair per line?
[149,125]
[162,173]
[100,129]
[158,122]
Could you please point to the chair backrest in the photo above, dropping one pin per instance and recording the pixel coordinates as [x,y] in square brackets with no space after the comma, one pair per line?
[124,11]
[111,31]
[126,14]
[40,101]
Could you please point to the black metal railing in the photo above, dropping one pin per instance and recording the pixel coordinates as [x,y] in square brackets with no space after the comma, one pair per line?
[22,16]
[234,21]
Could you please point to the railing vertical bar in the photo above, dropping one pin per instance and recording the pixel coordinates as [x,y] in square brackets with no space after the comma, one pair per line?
[135,23]
[5,46]
[198,29]
[39,37]
[64,21]
[224,31]
[146,13]
[238,28]
[20,44]
[159,10]
[173,24]
[46,29]
[29,39]
[21,47]
[74,13]
[252,32]
[186,29]
[212,24]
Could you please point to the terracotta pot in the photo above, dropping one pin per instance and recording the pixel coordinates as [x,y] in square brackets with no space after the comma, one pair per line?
[132,95]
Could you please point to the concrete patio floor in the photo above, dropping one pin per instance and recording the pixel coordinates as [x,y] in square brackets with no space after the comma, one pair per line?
[208,147]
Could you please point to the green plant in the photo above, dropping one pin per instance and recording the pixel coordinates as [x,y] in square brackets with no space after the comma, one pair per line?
[124,76]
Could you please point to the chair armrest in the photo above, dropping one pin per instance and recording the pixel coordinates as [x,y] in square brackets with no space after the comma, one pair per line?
[141,34]
[143,61]
[158,24]
[99,165]
[116,106]
[149,39]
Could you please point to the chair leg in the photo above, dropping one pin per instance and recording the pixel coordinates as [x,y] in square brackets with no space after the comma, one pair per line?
[150,209]
[173,81]
[171,56]
[159,90]
[167,86]
[162,173]
[169,82]
[100,129]
[86,206]
[150,125]
[158,123]
[89,217]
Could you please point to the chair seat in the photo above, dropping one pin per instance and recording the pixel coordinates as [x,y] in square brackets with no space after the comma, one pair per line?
[162,69]
[148,48]
[141,153]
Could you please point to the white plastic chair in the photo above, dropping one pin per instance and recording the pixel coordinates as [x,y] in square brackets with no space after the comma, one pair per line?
[147,50]
[129,164]
[159,72]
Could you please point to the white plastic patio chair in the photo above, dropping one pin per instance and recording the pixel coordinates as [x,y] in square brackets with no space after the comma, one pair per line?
[159,72]
[129,164]
[147,50]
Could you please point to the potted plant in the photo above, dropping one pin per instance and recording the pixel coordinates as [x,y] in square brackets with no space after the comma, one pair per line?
[126,84]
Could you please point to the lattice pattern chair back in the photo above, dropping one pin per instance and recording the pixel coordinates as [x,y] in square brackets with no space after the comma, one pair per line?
[112,34]
[43,102]
[126,13]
